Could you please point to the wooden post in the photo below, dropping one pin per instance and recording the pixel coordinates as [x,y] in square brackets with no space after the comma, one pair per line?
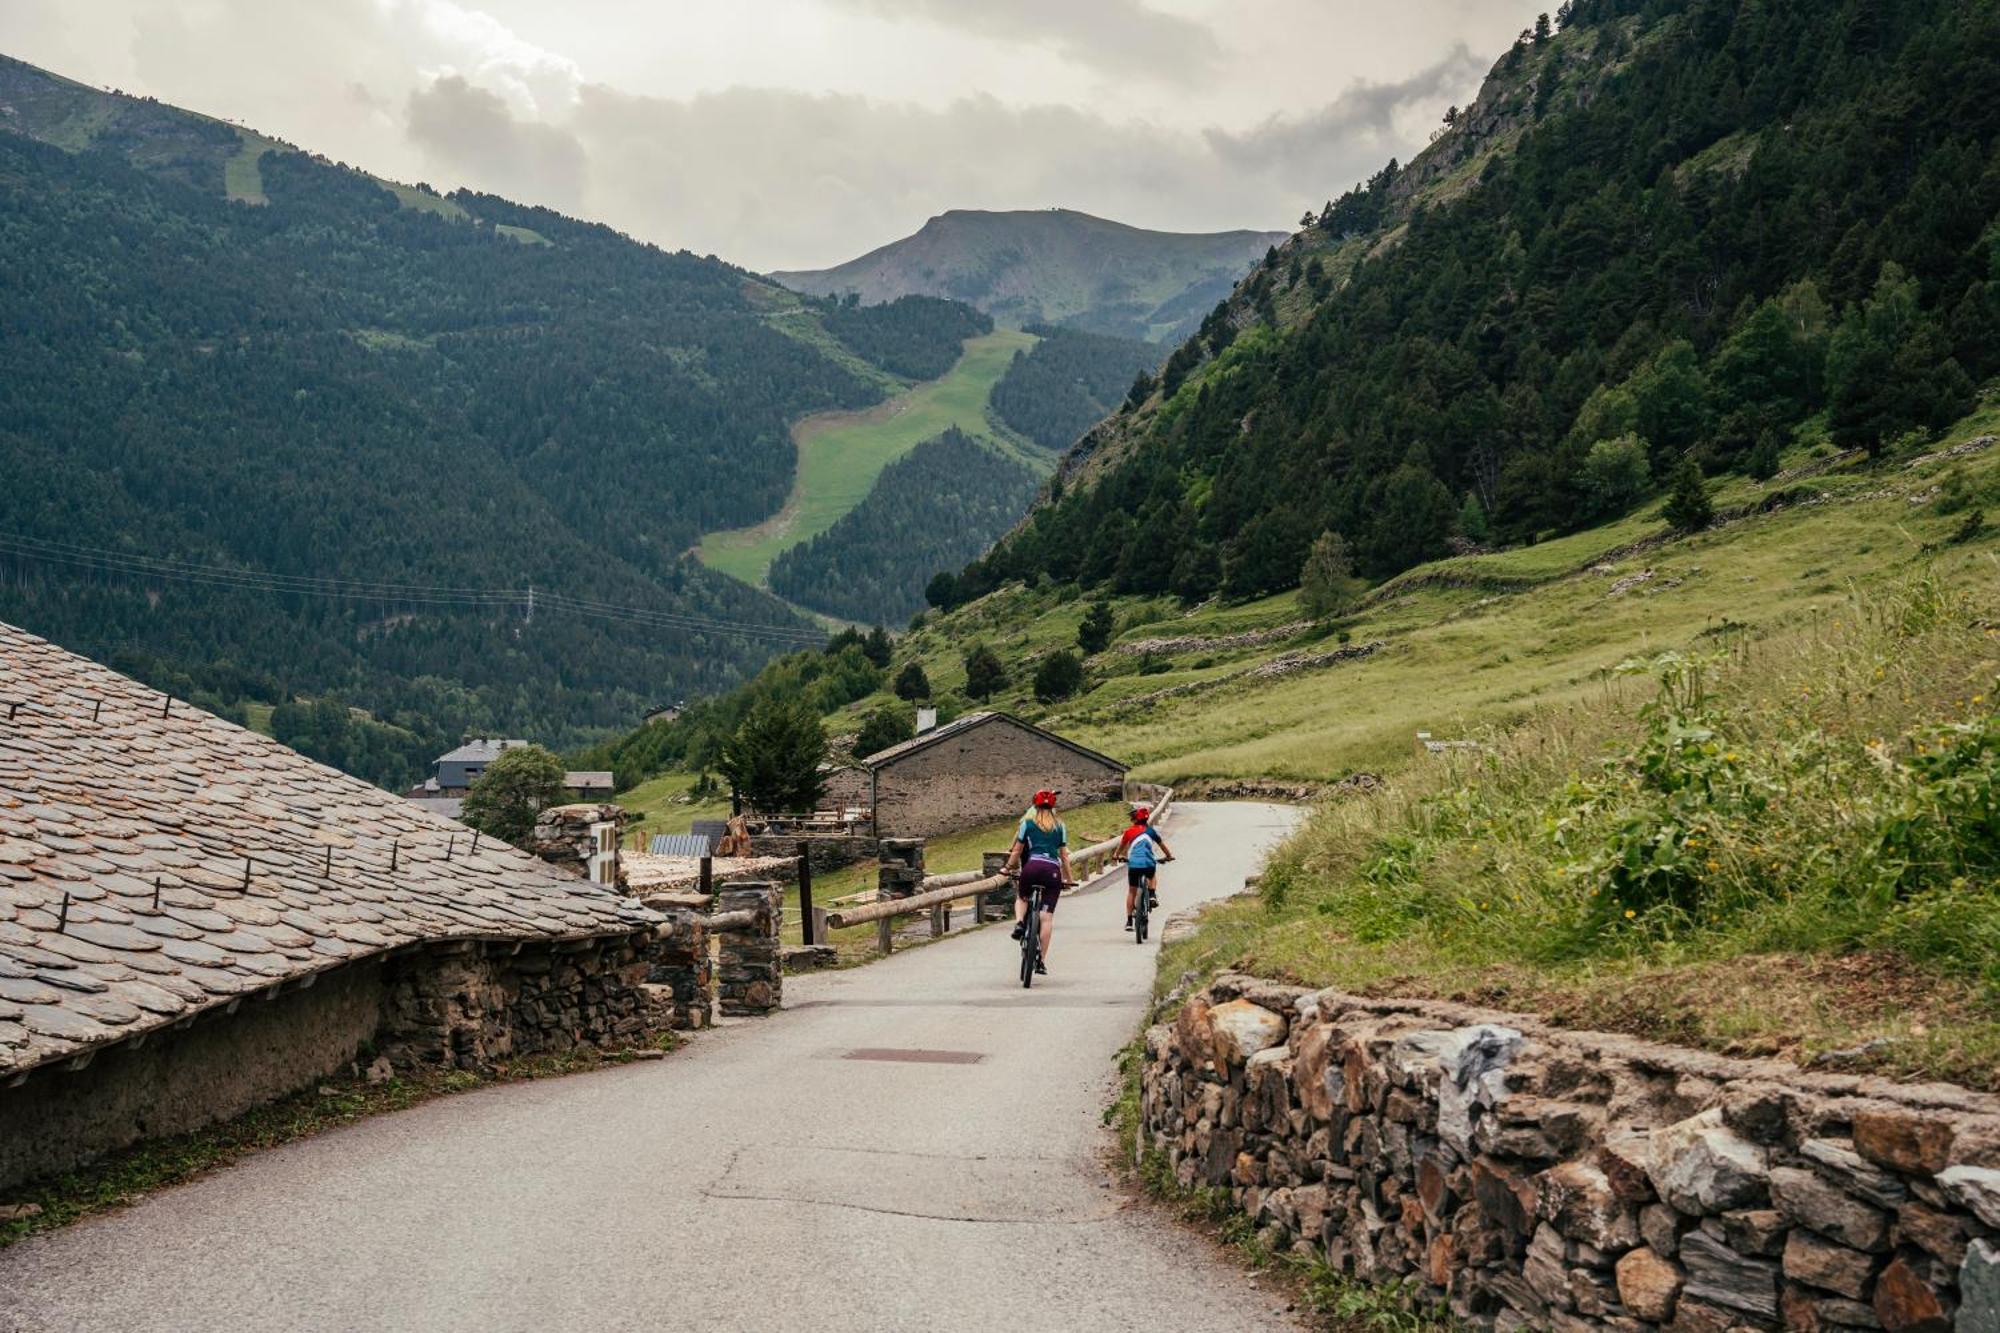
[707,881]
[884,936]
[818,918]
[937,920]
[806,923]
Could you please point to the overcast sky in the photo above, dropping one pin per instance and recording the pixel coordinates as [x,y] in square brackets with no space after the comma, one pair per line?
[800,133]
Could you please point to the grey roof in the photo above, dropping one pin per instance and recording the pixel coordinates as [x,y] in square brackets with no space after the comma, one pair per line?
[588,780]
[268,867]
[479,751]
[679,844]
[967,723]
[451,807]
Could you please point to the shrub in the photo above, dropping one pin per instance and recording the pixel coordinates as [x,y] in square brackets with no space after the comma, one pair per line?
[1059,676]
[516,787]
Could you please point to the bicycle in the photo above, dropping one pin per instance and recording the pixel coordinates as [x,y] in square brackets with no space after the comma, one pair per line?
[1142,910]
[1031,937]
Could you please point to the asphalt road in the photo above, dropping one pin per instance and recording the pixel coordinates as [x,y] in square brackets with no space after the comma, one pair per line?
[761,1178]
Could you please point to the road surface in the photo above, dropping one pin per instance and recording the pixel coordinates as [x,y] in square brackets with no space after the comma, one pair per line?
[762,1178]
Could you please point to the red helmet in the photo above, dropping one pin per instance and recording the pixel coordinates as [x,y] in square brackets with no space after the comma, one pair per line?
[1045,799]
[1142,813]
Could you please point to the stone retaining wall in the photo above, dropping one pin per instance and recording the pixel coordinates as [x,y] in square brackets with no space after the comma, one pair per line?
[751,973]
[1535,1178]
[468,1006]
[824,851]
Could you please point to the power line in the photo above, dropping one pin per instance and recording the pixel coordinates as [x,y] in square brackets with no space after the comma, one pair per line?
[99,560]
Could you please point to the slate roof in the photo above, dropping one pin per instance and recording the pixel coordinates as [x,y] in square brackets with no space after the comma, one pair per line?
[588,780]
[479,752]
[102,797]
[959,726]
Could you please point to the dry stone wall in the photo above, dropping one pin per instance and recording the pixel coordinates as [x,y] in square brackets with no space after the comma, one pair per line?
[467,1006]
[1535,1178]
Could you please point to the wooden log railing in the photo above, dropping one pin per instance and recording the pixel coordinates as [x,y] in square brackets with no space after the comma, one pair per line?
[940,891]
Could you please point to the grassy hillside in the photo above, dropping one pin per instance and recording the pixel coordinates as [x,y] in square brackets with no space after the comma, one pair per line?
[841,453]
[1053,266]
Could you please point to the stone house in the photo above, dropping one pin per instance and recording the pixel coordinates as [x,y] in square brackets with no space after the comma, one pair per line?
[980,769]
[195,919]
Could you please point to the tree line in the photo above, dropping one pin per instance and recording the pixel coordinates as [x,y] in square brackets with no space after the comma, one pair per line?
[1069,381]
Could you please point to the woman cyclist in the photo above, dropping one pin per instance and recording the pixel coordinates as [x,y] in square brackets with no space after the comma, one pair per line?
[1143,849]
[1041,853]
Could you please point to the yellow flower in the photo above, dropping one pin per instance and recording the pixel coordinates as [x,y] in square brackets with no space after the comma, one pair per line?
[1629,914]
[1714,865]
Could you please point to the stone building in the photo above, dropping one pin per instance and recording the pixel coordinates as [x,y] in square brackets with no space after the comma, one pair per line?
[195,919]
[979,769]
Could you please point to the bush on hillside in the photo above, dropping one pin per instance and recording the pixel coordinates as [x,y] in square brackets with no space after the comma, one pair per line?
[773,760]
[985,674]
[1059,676]
[883,728]
[912,684]
[1688,508]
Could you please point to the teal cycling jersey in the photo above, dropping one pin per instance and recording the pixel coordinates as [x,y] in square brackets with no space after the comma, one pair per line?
[1046,843]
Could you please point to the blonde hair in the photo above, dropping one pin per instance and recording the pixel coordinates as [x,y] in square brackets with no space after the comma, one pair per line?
[1045,818]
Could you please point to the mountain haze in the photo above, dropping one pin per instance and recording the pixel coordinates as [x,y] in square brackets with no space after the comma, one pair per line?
[1053,266]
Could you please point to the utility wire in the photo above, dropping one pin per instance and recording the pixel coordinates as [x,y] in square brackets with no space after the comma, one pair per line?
[98,560]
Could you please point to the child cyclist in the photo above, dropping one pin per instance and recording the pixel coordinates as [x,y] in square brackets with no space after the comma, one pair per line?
[1041,853]
[1143,849]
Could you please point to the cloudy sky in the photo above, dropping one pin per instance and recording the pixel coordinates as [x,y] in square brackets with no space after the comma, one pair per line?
[799,133]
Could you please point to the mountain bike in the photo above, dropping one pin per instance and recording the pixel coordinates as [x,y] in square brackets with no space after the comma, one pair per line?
[1142,910]
[1031,939]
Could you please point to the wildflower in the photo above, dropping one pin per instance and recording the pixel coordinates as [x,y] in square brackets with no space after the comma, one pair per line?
[1629,914]
[1714,864]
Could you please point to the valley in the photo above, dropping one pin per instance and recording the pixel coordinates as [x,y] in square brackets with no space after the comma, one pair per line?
[840,454]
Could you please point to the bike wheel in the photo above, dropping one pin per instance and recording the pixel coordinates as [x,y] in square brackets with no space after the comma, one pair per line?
[1031,945]
[1139,917]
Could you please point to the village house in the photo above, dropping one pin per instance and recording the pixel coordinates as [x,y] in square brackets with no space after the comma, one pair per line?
[454,772]
[195,919]
[981,768]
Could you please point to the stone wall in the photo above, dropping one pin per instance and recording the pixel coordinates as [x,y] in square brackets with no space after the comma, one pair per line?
[986,773]
[824,851]
[681,975]
[456,1005]
[751,972]
[467,1006]
[1534,1178]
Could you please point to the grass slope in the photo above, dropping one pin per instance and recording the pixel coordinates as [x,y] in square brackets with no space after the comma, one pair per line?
[841,454]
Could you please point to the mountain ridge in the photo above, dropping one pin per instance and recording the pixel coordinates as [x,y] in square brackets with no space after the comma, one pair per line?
[1051,266]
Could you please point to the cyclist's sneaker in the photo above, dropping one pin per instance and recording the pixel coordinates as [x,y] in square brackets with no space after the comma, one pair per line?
[1020,929]
[1041,968]
[1128,921]
[1152,900]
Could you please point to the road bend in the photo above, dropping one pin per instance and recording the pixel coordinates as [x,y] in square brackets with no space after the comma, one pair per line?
[762,1178]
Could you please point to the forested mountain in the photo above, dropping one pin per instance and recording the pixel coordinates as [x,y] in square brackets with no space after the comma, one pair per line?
[1667,230]
[917,337]
[230,372]
[931,510]
[1068,382]
[1053,266]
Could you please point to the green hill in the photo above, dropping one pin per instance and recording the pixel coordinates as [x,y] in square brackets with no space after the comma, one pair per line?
[1053,266]
[262,411]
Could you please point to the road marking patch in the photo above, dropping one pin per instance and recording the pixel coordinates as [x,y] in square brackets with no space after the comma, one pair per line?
[915,1055]
[947,1188]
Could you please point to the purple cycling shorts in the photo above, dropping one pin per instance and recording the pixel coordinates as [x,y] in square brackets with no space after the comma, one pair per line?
[1040,871]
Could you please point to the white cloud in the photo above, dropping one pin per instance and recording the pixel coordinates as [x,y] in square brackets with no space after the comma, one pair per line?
[1124,36]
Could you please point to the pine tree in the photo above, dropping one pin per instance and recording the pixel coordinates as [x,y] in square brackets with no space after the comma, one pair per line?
[877,648]
[1094,634]
[1688,508]
[912,684]
[773,760]
[985,673]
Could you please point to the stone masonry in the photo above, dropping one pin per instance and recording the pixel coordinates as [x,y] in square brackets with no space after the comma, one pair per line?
[1534,1178]
[751,972]
[681,978]
[982,768]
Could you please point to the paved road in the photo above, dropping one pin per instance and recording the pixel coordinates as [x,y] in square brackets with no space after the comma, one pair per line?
[759,1179]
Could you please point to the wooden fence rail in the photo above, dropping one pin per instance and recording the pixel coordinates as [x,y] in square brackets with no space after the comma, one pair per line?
[940,891]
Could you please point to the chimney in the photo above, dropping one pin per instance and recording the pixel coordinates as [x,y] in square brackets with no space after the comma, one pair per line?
[926,720]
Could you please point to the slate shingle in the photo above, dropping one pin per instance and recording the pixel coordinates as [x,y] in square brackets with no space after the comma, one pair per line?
[106,808]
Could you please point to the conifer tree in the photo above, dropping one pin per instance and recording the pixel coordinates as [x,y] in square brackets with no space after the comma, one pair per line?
[1688,508]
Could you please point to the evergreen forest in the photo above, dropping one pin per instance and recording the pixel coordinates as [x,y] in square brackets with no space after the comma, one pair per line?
[1667,230]
[1068,382]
